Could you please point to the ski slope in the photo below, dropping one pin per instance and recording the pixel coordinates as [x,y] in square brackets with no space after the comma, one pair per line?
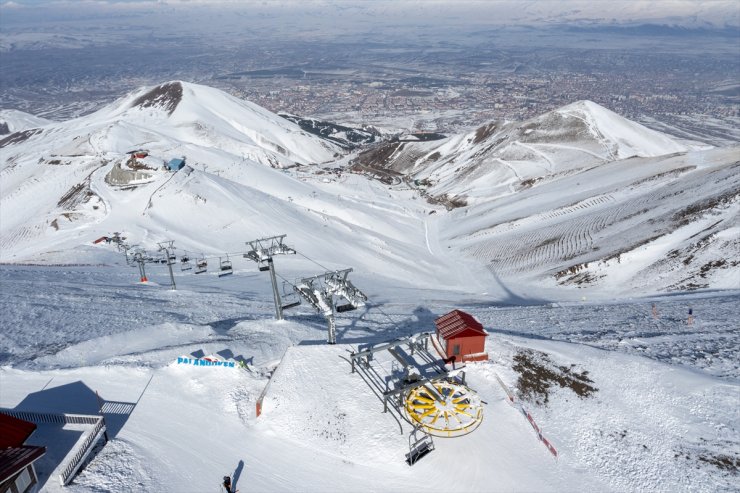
[666,397]
[552,204]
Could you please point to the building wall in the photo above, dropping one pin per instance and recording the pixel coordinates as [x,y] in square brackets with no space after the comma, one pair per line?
[22,482]
[468,345]
[119,176]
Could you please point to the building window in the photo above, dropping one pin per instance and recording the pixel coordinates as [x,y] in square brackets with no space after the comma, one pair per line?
[23,481]
[456,350]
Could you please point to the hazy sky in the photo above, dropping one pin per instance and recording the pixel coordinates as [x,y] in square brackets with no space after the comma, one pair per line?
[682,12]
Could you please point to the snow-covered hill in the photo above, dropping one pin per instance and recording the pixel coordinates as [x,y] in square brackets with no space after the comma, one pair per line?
[16,121]
[663,416]
[558,201]
[488,161]
[576,204]
[582,197]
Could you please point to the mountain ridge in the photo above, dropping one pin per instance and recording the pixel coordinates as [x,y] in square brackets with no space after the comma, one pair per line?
[553,203]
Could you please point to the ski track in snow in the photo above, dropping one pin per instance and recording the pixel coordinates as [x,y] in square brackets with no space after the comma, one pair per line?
[550,164]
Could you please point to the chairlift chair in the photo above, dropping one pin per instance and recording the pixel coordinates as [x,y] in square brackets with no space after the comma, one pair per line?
[418,447]
[290,298]
[185,263]
[225,267]
[201,266]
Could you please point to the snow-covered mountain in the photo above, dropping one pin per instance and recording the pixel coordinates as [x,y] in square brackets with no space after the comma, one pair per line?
[66,184]
[561,200]
[16,121]
[567,196]
[490,160]
[578,203]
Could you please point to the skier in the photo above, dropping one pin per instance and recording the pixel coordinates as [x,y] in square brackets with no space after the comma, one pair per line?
[227,484]
[655,311]
[690,321]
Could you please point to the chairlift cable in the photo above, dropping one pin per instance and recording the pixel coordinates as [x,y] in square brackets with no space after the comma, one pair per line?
[312,260]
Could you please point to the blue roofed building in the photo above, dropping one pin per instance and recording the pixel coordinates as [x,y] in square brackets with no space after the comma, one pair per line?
[175,164]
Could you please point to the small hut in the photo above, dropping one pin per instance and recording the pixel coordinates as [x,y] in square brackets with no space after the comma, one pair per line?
[461,336]
[175,164]
[17,472]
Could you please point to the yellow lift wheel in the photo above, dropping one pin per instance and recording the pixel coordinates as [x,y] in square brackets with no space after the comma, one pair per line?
[445,410]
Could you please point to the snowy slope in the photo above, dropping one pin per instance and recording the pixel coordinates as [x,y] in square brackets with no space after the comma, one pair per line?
[640,224]
[579,197]
[663,416]
[16,121]
[501,155]
[555,202]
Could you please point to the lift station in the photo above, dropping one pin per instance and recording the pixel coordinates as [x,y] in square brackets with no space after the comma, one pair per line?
[418,388]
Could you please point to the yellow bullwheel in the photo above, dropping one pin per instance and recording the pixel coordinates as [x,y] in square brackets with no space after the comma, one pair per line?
[444,409]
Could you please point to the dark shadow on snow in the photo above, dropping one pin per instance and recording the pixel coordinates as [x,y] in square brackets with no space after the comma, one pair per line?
[237,474]
[229,354]
[71,398]
[222,327]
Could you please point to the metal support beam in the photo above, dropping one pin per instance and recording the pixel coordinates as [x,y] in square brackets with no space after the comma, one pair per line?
[166,246]
[262,250]
[319,291]
[275,292]
[398,342]
[141,261]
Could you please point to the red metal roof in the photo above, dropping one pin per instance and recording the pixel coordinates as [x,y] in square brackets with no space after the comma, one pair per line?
[13,431]
[14,459]
[457,323]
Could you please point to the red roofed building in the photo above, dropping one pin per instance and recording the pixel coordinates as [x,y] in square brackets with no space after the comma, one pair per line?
[461,336]
[17,474]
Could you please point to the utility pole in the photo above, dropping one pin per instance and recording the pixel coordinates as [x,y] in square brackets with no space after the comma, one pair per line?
[166,246]
[262,251]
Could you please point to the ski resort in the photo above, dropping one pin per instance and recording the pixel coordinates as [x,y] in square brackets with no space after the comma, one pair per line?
[195,288]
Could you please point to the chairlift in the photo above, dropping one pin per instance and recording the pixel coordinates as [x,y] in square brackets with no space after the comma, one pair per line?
[264,267]
[290,298]
[418,447]
[346,308]
[201,266]
[225,267]
[185,263]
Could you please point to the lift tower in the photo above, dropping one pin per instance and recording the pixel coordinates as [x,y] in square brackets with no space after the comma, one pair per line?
[141,260]
[262,251]
[167,247]
[319,291]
